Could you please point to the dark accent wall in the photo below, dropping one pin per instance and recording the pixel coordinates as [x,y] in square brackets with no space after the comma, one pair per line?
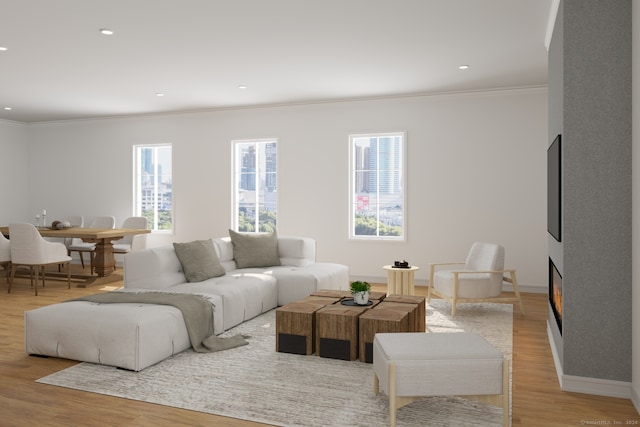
[590,105]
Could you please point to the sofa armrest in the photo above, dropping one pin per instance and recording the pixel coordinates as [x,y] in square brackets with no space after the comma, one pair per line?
[155,268]
[297,251]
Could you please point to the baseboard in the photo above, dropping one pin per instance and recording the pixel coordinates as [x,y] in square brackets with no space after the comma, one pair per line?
[554,353]
[529,289]
[596,386]
[587,385]
[635,398]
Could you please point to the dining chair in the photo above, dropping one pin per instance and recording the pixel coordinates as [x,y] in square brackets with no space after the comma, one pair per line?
[5,255]
[126,244]
[80,246]
[74,221]
[30,249]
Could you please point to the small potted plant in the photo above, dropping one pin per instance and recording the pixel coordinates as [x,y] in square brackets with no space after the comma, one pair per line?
[360,291]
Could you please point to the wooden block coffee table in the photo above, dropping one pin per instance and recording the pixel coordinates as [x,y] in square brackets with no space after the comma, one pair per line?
[296,326]
[418,315]
[379,320]
[320,324]
[322,300]
[337,330]
[396,313]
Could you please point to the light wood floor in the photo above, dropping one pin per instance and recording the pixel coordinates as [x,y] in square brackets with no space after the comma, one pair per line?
[537,399]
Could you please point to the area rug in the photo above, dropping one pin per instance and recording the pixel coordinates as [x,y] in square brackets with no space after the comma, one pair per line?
[256,383]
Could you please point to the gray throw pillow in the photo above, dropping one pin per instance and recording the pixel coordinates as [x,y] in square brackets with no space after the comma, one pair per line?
[255,249]
[199,260]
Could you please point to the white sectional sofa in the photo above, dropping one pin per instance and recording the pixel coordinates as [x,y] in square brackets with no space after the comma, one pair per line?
[134,336]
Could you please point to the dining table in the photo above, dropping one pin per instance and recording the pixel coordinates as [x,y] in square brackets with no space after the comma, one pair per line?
[104,262]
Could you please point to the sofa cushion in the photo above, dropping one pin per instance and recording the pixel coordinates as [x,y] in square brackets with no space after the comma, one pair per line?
[224,248]
[255,249]
[199,260]
[153,268]
[297,251]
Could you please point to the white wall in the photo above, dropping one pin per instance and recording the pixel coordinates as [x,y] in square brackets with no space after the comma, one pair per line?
[476,171]
[14,174]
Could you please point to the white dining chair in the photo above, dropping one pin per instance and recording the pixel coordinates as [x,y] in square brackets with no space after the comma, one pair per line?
[80,246]
[129,243]
[30,249]
[5,255]
[74,221]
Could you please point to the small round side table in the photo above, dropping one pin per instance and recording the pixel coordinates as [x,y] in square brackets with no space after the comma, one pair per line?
[400,280]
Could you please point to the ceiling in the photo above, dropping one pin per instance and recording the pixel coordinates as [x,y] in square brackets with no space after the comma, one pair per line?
[58,66]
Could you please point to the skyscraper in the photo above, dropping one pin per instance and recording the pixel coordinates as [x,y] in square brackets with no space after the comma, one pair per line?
[385,157]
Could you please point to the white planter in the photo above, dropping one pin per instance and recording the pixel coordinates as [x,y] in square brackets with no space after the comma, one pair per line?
[361,298]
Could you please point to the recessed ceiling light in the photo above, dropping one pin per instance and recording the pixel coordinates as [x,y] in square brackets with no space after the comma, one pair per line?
[159,94]
[463,67]
[242,87]
[2,48]
[8,108]
[106,32]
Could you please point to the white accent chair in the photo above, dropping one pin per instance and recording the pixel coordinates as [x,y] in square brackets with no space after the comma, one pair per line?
[30,249]
[80,246]
[133,241]
[5,254]
[478,279]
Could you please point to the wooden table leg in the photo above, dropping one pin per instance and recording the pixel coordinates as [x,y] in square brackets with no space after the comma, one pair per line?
[103,260]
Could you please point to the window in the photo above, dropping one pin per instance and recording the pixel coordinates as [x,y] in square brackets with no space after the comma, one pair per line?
[153,189]
[377,187]
[255,185]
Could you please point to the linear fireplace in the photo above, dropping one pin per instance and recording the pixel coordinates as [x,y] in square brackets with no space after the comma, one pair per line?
[555,293]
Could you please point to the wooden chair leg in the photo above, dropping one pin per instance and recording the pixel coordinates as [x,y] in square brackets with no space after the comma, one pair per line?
[13,273]
[7,271]
[431,276]
[69,275]
[454,299]
[393,406]
[506,402]
[37,270]
[514,283]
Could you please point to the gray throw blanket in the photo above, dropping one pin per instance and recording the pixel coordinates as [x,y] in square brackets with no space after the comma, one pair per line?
[196,310]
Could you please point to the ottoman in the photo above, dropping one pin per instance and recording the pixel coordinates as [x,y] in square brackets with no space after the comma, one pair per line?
[128,336]
[408,366]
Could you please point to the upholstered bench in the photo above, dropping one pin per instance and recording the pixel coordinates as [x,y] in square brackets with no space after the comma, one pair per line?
[130,336]
[409,366]
[127,335]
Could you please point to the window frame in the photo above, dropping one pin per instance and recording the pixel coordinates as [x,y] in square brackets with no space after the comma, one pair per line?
[137,187]
[353,200]
[236,171]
